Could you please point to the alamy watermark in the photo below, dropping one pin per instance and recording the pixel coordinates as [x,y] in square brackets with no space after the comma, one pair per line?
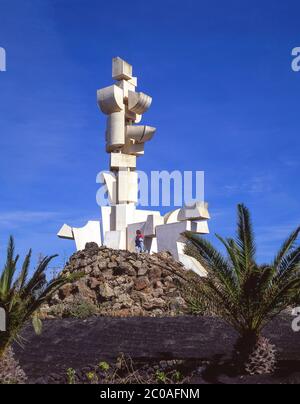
[159,189]
[2,320]
[2,60]
[296,60]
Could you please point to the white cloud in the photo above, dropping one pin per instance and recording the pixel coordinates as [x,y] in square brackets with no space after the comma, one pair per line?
[18,218]
[255,185]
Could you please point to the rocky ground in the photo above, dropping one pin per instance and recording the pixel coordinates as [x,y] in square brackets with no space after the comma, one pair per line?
[121,284]
[196,347]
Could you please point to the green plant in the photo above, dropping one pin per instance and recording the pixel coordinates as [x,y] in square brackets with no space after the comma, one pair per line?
[245,294]
[160,377]
[22,297]
[104,366]
[177,376]
[71,376]
[92,377]
[78,308]
[81,309]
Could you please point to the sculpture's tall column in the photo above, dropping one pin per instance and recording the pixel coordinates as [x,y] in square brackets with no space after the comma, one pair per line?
[124,139]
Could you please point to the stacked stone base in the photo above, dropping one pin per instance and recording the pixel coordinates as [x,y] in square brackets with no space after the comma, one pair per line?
[124,284]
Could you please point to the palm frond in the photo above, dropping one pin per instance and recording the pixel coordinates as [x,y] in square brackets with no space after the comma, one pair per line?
[287,247]
[9,270]
[245,237]
[20,282]
[214,262]
[34,282]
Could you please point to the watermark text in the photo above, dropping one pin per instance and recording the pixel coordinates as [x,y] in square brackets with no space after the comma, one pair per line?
[160,188]
[2,60]
[296,60]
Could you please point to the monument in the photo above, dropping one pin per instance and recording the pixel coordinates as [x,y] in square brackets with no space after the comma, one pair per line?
[125,142]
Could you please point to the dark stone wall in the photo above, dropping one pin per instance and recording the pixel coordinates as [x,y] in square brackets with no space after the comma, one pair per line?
[77,343]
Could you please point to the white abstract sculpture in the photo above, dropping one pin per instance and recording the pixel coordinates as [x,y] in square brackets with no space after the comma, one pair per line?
[125,141]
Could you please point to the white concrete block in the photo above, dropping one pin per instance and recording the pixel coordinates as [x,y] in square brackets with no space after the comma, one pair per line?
[126,87]
[139,102]
[108,220]
[110,99]
[127,187]
[87,234]
[172,217]
[124,215]
[66,232]
[115,134]
[152,222]
[200,227]
[120,160]
[110,180]
[121,70]
[197,212]
[132,117]
[140,134]
[152,248]
[142,215]
[190,263]
[134,149]
[133,81]
[168,235]
[115,240]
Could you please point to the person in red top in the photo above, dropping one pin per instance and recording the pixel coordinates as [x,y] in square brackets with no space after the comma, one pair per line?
[139,242]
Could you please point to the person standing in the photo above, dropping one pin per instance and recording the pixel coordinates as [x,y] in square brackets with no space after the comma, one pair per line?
[139,242]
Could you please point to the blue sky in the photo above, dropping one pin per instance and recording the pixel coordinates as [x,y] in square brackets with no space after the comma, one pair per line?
[225,101]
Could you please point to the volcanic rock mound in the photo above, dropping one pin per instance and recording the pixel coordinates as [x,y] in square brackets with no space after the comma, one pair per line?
[124,284]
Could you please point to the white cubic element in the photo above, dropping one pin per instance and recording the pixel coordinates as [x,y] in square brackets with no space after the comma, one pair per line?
[110,180]
[139,103]
[151,245]
[126,87]
[191,264]
[200,227]
[131,234]
[124,215]
[196,212]
[152,222]
[142,215]
[121,70]
[87,234]
[115,135]
[120,160]
[133,81]
[66,232]
[168,235]
[172,217]
[115,240]
[132,117]
[110,99]
[127,187]
[140,134]
[181,245]
[108,221]
[134,149]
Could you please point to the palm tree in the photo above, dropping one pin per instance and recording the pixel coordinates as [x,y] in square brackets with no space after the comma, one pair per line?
[242,292]
[22,297]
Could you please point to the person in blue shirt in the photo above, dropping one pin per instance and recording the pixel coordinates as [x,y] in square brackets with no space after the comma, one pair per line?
[139,242]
